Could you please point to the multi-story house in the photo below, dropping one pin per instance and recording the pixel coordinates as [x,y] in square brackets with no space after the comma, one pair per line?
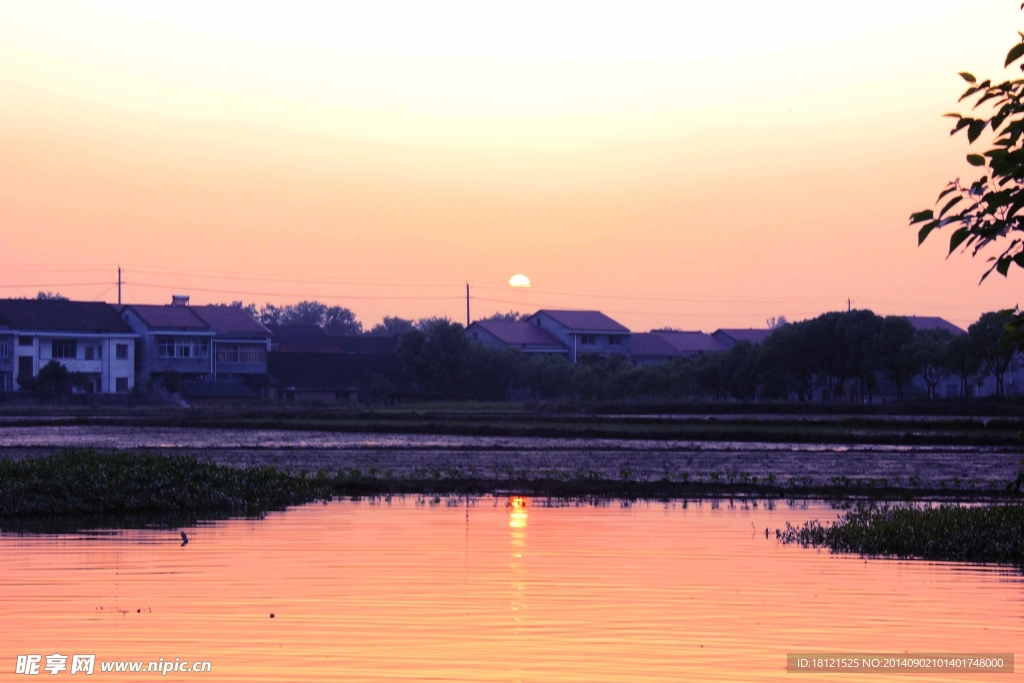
[84,336]
[206,343]
[519,335]
[584,332]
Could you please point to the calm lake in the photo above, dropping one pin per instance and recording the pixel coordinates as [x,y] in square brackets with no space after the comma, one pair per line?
[492,589]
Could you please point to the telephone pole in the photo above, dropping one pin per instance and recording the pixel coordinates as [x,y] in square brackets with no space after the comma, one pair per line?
[119,285]
[467,304]
[849,305]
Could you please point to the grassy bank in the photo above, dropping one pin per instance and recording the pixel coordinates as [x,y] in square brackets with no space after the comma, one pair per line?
[170,490]
[83,482]
[697,422]
[984,533]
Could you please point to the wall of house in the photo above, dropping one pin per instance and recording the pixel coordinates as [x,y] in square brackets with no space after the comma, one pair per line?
[7,364]
[573,340]
[95,356]
[241,357]
[150,362]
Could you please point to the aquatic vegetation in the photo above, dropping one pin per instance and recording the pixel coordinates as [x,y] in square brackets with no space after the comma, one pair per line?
[981,533]
[132,483]
[77,482]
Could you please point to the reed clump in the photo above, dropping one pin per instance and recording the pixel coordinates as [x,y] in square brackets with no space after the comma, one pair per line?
[982,533]
[83,482]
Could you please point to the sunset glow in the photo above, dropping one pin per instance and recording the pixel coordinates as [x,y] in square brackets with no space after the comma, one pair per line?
[694,165]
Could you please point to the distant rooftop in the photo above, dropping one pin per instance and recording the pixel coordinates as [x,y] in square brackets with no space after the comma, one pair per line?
[229,320]
[584,321]
[519,333]
[733,336]
[922,323]
[56,315]
[171,317]
[669,343]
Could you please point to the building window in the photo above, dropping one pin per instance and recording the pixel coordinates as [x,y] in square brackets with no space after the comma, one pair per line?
[121,384]
[614,339]
[93,352]
[121,351]
[588,339]
[5,350]
[25,341]
[64,348]
[241,353]
[175,347]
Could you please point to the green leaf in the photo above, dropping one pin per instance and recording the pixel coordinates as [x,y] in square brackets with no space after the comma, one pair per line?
[975,160]
[925,215]
[949,205]
[922,234]
[968,77]
[1014,54]
[974,130]
[957,238]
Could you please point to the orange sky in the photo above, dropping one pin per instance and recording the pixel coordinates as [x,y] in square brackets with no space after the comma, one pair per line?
[672,164]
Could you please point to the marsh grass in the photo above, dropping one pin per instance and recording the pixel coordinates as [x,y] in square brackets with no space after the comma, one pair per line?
[981,533]
[155,490]
[86,482]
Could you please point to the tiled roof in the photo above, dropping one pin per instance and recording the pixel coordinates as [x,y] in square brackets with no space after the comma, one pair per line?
[922,323]
[584,321]
[168,317]
[754,336]
[61,316]
[229,320]
[666,343]
[519,333]
[298,336]
[363,343]
[691,342]
[651,344]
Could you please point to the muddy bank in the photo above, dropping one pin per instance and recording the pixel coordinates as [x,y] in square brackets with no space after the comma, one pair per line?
[980,469]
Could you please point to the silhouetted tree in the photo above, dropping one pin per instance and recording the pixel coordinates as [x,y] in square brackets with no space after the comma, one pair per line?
[994,357]
[391,327]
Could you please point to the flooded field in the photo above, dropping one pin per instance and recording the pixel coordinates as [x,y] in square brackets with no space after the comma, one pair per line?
[491,589]
[813,464]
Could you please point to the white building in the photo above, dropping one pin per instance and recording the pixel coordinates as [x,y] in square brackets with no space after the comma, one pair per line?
[84,336]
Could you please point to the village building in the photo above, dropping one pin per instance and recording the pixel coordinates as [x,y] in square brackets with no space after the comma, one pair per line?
[200,343]
[658,346]
[87,337]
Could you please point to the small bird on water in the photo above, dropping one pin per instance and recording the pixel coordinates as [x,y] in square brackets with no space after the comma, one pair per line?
[184,539]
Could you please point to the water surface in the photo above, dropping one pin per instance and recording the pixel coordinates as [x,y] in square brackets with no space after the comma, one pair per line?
[418,590]
[813,463]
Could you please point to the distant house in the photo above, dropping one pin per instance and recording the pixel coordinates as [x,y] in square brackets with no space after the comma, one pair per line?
[924,323]
[584,332]
[306,364]
[730,337]
[658,346]
[207,343]
[331,377]
[300,339]
[312,339]
[83,336]
[523,336]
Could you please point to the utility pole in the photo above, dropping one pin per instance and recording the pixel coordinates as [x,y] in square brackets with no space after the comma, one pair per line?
[467,304]
[119,285]
[849,305]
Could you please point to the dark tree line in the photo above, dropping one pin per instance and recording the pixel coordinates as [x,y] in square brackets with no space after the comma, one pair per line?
[847,354]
